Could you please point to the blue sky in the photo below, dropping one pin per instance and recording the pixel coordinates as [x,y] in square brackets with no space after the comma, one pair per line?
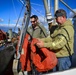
[10,9]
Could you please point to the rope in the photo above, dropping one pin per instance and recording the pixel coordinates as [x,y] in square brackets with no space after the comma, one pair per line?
[34,9]
[36,4]
[14,8]
[19,17]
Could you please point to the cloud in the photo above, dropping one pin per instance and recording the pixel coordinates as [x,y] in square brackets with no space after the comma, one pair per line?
[42,19]
[6,27]
[1,20]
[20,20]
[10,25]
[71,15]
[44,22]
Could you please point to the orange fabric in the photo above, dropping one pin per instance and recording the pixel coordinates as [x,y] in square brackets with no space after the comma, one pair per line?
[43,63]
[43,58]
[25,62]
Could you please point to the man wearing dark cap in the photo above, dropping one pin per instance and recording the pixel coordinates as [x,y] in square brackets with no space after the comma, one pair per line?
[61,41]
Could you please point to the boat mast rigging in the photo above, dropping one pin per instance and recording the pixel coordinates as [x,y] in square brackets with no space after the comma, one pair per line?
[68,6]
[18,17]
[25,24]
[22,36]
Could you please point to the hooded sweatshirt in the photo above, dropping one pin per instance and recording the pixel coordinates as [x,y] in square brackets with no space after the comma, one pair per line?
[61,40]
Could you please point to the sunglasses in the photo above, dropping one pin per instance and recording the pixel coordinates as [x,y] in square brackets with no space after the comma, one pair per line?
[32,21]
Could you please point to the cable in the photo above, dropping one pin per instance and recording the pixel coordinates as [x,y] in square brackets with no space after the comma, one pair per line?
[37,11]
[19,17]
[14,8]
[34,9]
[36,4]
[21,1]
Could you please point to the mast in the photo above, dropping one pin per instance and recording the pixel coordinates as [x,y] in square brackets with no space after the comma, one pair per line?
[47,11]
[49,4]
[22,37]
[25,24]
[55,8]
[55,5]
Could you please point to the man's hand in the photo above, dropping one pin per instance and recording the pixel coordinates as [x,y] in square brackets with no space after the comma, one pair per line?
[40,43]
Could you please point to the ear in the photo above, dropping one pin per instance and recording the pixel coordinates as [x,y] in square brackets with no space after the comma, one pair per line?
[63,16]
[37,20]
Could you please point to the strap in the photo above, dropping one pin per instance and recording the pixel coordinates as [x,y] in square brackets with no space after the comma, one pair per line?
[42,30]
[67,40]
[68,48]
[67,33]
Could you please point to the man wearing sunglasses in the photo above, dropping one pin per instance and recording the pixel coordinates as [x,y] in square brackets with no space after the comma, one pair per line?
[36,30]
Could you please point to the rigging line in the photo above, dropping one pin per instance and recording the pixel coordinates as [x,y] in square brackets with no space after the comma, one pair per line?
[19,17]
[34,9]
[40,5]
[25,26]
[21,1]
[9,22]
[9,18]
[32,13]
[37,12]
[14,8]
[31,3]
[68,6]
[36,4]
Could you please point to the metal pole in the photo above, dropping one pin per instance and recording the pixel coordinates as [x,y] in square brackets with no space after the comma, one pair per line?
[46,6]
[67,6]
[47,11]
[49,5]
[55,5]
[55,8]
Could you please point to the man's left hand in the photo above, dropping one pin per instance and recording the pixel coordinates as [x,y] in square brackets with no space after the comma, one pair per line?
[40,43]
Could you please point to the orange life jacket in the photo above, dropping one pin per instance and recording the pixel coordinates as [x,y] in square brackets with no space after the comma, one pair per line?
[43,58]
[24,57]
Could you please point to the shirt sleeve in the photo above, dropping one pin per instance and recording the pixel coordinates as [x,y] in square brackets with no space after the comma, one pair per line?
[47,39]
[58,42]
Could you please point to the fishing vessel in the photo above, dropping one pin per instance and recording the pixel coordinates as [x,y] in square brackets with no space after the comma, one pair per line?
[10,48]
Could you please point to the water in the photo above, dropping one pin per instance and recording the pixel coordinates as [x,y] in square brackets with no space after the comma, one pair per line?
[7,28]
